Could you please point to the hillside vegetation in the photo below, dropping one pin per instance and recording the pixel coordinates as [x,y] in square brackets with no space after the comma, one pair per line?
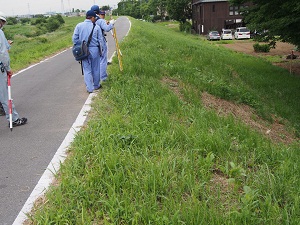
[167,141]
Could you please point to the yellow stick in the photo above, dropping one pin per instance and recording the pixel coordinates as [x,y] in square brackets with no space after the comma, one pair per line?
[119,54]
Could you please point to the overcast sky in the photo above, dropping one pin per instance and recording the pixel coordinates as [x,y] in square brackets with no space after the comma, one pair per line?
[22,7]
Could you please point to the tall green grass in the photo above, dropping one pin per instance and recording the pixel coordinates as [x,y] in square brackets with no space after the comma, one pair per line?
[150,155]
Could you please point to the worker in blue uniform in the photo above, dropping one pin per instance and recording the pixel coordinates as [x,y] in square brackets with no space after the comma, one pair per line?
[105,26]
[91,65]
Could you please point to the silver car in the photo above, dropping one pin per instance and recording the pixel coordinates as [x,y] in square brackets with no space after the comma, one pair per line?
[213,35]
[242,33]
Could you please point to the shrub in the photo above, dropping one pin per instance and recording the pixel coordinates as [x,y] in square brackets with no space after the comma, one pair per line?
[53,24]
[156,18]
[261,47]
[39,21]
[59,18]
[25,20]
[185,27]
[12,20]
[39,16]
[41,29]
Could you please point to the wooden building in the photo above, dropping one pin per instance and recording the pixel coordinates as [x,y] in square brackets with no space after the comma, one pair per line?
[210,15]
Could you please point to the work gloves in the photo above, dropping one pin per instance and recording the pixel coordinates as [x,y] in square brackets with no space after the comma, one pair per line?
[112,22]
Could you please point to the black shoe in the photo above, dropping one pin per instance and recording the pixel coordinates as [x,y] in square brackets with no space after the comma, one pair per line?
[98,87]
[2,112]
[108,63]
[19,122]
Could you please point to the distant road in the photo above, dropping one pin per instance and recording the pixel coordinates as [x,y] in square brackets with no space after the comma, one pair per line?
[51,95]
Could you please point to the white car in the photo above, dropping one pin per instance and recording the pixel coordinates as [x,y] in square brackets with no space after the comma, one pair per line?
[226,34]
[242,33]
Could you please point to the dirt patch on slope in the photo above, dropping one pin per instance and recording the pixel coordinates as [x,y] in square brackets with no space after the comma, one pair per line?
[275,131]
[282,50]
[246,114]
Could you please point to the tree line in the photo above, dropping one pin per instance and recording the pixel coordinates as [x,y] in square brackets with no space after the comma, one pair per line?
[154,10]
[279,19]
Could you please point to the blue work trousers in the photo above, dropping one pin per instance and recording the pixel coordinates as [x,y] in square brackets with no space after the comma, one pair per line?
[91,69]
[103,63]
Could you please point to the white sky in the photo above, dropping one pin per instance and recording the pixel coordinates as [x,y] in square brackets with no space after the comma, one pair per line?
[23,7]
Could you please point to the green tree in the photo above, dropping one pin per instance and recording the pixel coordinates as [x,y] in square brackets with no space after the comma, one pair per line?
[124,7]
[105,8]
[130,8]
[278,17]
[145,9]
[158,7]
[180,10]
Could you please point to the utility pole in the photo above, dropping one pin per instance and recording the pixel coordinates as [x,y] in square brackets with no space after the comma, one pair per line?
[28,9]
[69,6]
[62,7]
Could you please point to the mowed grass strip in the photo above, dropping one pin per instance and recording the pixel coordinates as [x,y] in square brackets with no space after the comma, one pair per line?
[151,153]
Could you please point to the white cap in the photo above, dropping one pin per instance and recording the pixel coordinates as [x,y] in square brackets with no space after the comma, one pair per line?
[2,16]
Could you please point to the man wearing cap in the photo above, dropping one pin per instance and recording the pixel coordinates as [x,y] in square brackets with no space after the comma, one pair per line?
[91,65]
[105,27]
[5,71]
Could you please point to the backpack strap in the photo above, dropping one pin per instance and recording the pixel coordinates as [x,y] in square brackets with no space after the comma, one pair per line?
[90,37]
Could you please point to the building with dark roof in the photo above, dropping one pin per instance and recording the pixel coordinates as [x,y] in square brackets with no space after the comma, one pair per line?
[215,15]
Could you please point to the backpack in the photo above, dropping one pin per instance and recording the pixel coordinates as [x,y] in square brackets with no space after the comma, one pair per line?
[80,50]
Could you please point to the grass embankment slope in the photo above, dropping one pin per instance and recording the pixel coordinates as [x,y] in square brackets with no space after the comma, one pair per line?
[154,153]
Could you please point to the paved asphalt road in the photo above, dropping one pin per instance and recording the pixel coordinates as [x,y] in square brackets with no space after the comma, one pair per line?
[51,95]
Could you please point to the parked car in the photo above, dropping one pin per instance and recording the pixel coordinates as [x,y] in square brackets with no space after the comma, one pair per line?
[242,33]
[226,34]
[213,35]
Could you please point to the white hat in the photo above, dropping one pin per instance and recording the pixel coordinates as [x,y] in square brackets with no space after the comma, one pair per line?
[2,16]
